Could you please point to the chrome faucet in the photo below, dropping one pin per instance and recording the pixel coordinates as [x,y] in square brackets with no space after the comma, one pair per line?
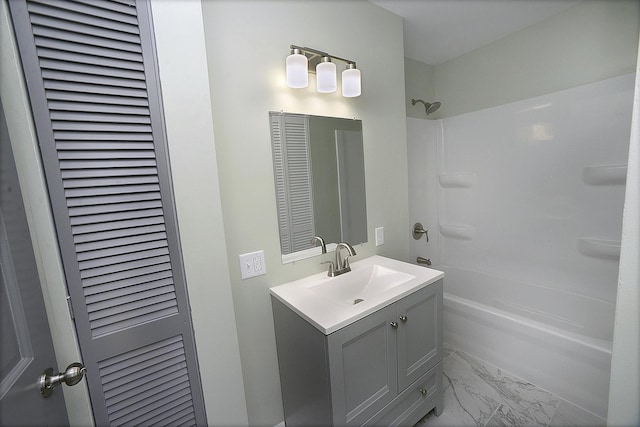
[317,239]
[342,264]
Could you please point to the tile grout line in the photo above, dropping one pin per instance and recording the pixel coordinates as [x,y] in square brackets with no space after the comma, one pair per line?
[555,410]
[495,411]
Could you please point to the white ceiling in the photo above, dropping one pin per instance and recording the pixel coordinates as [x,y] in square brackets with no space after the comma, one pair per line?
[438,30]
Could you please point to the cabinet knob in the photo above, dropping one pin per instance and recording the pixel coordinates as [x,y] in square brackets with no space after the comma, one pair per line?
[394,325]
[403,318]
[423,391]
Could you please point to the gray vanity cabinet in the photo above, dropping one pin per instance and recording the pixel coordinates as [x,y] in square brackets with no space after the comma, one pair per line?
[363,367]
[419,333]
[384,369]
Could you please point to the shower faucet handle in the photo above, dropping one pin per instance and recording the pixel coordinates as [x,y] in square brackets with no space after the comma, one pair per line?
[418,231]
[332,269]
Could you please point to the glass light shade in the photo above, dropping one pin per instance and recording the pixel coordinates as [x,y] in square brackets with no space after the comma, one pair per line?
[297,70]
[351,86]
[326,78]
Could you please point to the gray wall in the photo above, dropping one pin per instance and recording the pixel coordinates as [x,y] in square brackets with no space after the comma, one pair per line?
[420,84]
[247,43]
[591,41]
[182,66]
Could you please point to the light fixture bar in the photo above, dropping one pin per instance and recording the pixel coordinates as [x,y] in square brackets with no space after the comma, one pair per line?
[315,56]
[320,63]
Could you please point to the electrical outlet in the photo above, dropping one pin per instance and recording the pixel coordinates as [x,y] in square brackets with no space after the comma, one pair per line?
[379,236]
[252,264]
[258,262]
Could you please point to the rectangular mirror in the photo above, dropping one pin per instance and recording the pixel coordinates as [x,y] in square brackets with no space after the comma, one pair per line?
[318,165]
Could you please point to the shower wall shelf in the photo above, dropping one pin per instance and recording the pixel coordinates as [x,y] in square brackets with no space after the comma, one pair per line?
[599,248]
[463,232]
[459,180]
[605,175]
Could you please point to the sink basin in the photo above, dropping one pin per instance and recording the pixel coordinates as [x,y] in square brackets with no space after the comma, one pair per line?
[330,303]
[360,284]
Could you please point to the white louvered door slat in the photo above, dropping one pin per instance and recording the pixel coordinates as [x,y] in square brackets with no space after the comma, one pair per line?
[92,84]
[294,187]
[280,182]
[298,163]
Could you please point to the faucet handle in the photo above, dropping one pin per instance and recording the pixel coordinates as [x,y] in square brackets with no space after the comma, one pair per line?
[418,231]
[332,270]
[345,263]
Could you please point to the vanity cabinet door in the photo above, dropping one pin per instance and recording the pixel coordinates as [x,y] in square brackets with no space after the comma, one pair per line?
[363,367]
[419,333]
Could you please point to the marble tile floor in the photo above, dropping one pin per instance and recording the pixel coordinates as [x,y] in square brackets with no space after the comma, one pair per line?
[479,394]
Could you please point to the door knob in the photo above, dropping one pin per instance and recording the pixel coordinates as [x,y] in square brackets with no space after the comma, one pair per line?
[394,325]
[71,376]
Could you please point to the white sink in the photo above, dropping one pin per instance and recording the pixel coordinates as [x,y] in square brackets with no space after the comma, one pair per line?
[360,284]
[330,303]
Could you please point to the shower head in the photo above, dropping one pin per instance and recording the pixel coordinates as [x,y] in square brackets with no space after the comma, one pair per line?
[432,107]
[429,107]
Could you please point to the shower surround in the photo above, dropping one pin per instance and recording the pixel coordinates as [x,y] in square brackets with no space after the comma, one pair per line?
[524,202]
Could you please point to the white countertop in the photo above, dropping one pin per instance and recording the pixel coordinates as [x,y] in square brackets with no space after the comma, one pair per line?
[328,313]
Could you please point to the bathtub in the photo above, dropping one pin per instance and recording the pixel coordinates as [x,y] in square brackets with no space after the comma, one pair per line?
[558,341]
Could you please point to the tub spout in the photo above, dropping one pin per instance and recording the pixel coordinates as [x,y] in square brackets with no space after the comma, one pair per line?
[421,260]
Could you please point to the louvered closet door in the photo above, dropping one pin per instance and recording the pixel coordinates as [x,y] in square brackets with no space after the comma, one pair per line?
[282,199]
[294,185]
[299,181]
[94,92]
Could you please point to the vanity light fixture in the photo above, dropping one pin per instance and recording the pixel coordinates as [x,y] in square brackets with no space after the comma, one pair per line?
[326,80]
[297,65]
[351,86]
[304,60]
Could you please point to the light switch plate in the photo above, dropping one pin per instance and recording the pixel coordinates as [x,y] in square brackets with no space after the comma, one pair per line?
[379,236]
[252,264]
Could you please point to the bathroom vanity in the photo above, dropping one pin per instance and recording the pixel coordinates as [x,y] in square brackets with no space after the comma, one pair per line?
[362,350]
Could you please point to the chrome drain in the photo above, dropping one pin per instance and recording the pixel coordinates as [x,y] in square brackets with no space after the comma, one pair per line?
[357,300]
